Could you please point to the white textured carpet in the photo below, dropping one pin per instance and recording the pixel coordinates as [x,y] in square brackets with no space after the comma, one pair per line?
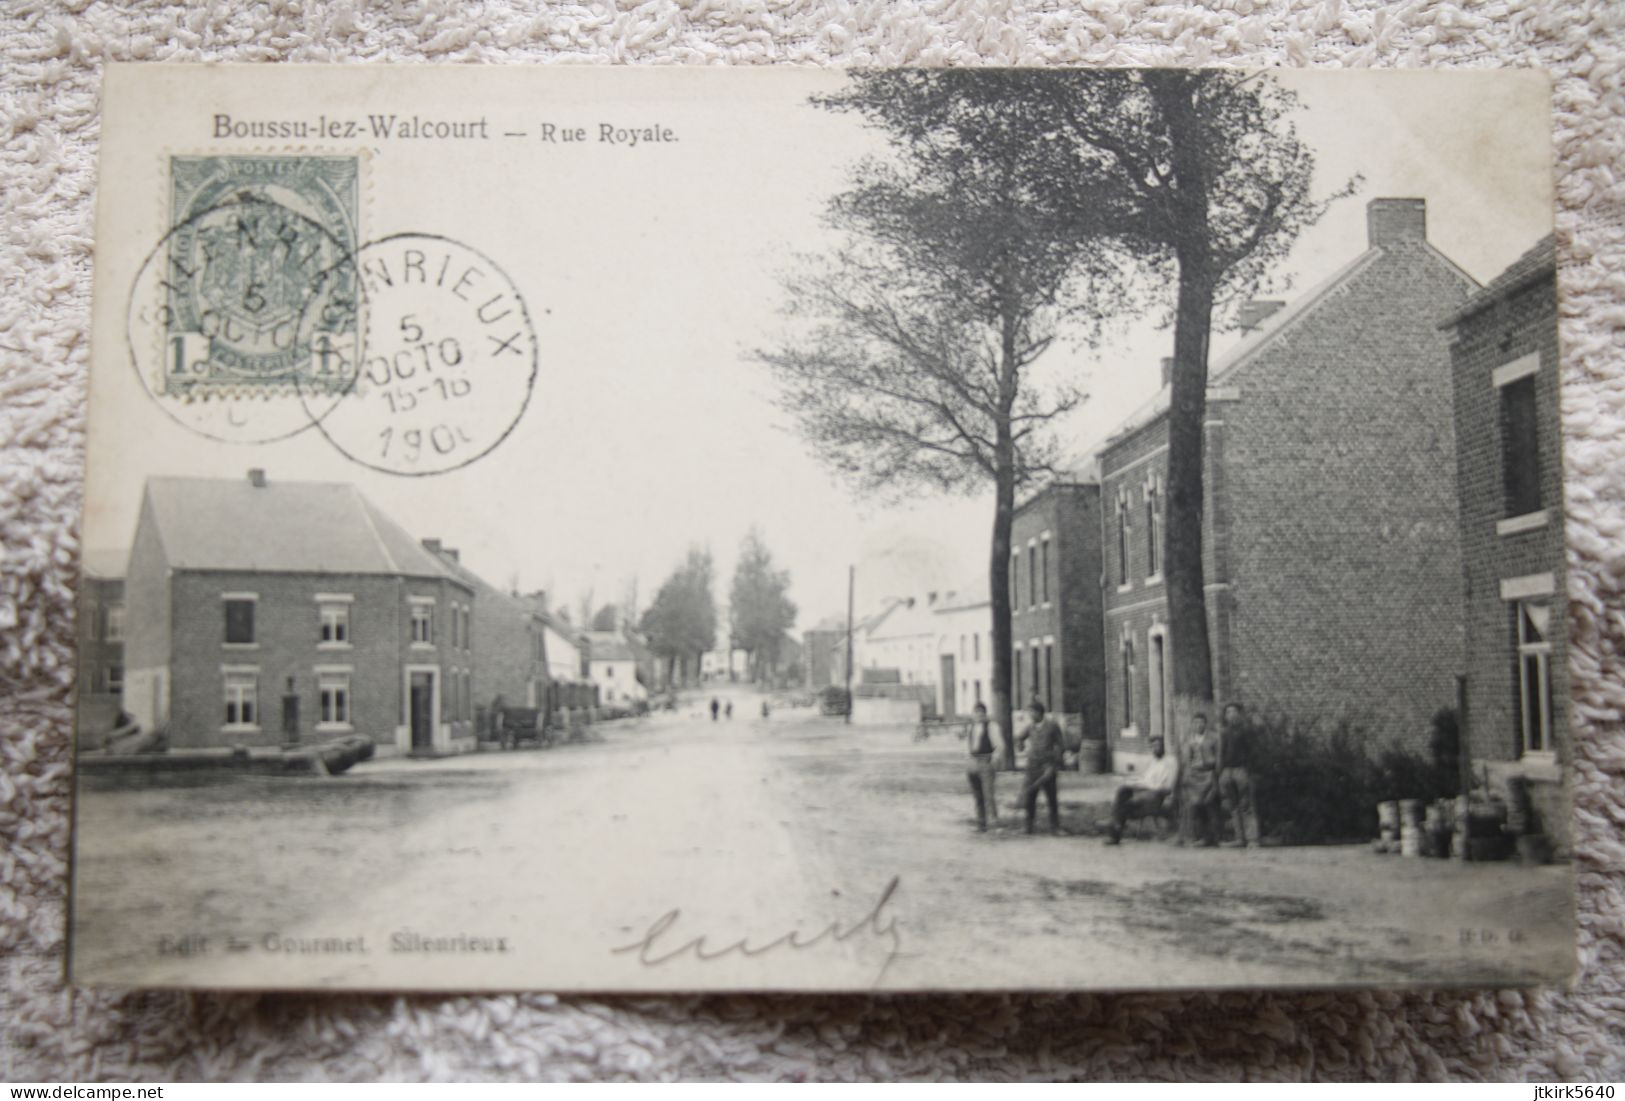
[52,57]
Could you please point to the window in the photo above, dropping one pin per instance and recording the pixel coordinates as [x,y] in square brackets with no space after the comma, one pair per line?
[1128,683]
[335,629]
[239,620]
[1032,576]
[1049,675]
[1520,447]
[1534,674]
[242,699]
[1043,567]
[1153,529]
[333,692]
[115,677]
[1038,680]
[1122,540]
[113,630]
[977,685]
[976,647]
[422,623]
[1016,679]
[1015,580]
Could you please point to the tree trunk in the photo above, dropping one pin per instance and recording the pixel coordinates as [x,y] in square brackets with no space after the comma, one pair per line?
[1192,663]
[1004,510]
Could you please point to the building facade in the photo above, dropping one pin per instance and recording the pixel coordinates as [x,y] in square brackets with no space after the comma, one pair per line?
[819,652]
[1331,549]
[1510,470]
[262,613]
[1055,605]
[964,651]
[509,645]
[101,639]
[612,665]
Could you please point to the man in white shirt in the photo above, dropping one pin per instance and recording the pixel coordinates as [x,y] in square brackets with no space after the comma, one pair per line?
[1146,794]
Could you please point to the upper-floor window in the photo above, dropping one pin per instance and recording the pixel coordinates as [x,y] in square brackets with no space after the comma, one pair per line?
[422,623]
[1520,446]
[1043,567]
[1015,580]
[976,647]
[1122,538]
[335,624]
[239,611]
[113,630]
[1153,529]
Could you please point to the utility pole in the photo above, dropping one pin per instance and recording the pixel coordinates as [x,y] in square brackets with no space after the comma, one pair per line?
[851,588]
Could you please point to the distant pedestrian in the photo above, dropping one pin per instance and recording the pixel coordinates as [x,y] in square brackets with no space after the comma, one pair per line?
[728,709]
[1235,774]
[765,710]
[716,705]
[1199,785]
[979,769]
[1043,766]
[499,720]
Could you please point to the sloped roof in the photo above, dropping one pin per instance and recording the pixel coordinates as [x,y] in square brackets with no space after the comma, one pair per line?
[973,595]
[610,646]
[1539,262]
[457,569]
[104,563]
[283,527]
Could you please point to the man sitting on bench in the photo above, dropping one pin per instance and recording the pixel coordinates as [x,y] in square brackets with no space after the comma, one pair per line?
[1147,794]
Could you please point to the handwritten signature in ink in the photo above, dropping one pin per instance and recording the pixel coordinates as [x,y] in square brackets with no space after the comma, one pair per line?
[653,948]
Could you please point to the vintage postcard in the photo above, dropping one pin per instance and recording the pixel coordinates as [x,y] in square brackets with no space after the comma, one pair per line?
[696,529]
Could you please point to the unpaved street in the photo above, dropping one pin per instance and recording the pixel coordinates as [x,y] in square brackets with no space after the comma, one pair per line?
[680,851]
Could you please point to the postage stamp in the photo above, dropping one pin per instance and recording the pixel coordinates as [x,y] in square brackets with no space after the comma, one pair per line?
[253,239]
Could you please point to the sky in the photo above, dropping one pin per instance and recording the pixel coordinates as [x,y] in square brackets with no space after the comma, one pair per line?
[651,273]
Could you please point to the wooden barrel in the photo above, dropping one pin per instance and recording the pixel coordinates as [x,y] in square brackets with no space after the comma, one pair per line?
[1092,756]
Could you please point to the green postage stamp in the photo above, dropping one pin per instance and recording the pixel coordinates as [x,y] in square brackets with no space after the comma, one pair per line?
[259,286]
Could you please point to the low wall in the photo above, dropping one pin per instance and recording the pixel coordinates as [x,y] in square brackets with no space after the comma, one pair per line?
[877,712]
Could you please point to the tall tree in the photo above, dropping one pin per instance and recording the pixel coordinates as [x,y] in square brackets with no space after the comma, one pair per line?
[759,607]
[958,269]
[607,618]
[681,623]
[1212,186]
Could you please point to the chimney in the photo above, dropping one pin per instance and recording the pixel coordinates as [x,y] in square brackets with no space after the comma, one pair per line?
[1255,311]
[451,553]
[256,477]
[432,546]
[1167,369]
[1390,221]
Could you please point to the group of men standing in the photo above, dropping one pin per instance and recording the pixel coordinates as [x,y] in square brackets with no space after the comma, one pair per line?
[1209,783]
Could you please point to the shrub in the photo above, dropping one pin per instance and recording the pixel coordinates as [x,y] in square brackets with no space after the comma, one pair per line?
[1312,787]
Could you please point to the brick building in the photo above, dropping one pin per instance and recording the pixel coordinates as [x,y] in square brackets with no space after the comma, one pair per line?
[1331,549]
[101,639]
[1055,616]
[509,645]
[258,612]
[1510,469]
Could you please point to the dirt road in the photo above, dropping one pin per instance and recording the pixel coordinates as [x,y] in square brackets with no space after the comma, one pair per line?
[794,851]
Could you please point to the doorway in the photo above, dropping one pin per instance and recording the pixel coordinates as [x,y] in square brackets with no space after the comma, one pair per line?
[949,703]
[420,712]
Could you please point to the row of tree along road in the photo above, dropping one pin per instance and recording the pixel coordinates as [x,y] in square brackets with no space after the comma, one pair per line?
[1015,208]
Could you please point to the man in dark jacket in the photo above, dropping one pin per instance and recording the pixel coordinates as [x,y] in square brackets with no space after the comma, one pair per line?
[1048,746]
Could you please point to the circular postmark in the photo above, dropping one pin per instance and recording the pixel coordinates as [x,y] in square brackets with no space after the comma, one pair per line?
[448,358]
[243,322]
